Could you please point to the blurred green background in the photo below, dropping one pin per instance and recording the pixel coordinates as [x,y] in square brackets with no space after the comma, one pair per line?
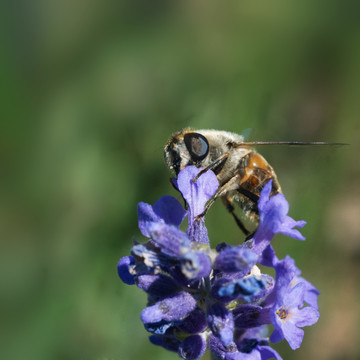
[92,89]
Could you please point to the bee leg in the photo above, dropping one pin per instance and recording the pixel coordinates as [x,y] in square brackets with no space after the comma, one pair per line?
[219,162]
[250,236]
[232,184]
[229,206]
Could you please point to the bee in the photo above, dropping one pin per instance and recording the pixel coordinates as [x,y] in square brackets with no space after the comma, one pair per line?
[241,171]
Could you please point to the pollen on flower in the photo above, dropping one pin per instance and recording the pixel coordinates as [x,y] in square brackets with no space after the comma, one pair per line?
[282,313]
[216,298]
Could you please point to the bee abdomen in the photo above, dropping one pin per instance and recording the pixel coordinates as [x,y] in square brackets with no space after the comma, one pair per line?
[255,173]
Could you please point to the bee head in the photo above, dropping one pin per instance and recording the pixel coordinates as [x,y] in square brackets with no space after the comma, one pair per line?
[185,148]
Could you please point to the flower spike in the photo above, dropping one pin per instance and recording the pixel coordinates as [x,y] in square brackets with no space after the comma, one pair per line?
[218,299]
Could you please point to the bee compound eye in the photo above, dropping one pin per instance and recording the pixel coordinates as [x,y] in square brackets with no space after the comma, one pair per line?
[197,145]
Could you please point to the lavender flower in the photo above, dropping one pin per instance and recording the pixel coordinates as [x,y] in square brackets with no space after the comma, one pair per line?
[201,298]
[274,219]
[288,313]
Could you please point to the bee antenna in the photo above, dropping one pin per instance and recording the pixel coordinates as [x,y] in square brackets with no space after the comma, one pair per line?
[290,143]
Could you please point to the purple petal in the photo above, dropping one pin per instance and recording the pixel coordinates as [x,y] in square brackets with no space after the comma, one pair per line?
[193,347]
[146,215]
[307,316]
[170,343]
[277,335]
[256,332]
[293,317]
[277,207]
[268,257]
[166,210]
[218,348]
[254,355]
[295,297]
[197,231]
[195,265]
[194,323]
[246,289]
[123,267]
[311,293]
[273,219]
[286,271]
[157,285]
[268,353]
[311,298]
[250,288]
[286,316]
[148,256]
[235,259]
[197,193]
[265,195]
[293,335]
[176,272]
[221,323]
[269,283]
[169,309]
[249,316]
[286,228]
[170,210]
[169,238]
[249,349]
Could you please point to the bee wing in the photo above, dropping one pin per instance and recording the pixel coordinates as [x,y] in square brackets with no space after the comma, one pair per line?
[246,133]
